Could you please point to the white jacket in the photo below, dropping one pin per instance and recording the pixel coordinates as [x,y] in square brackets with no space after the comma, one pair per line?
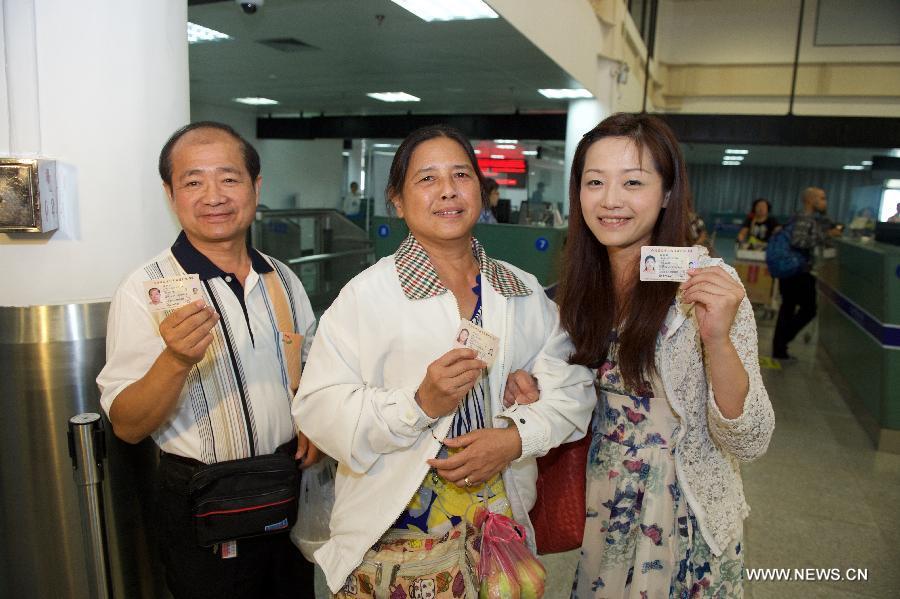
[709,446]
[372,348]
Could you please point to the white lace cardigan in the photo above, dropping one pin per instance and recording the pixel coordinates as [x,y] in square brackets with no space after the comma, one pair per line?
[710,446]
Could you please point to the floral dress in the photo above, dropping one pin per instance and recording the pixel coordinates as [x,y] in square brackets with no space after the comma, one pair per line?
[641,538]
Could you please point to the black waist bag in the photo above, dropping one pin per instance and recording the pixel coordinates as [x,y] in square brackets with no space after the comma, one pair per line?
[244,498]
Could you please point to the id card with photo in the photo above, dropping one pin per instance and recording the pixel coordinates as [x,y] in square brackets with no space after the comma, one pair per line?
[172,293]
[665,263]
[472,336]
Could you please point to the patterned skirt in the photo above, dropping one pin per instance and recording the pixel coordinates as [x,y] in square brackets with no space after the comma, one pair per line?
[641,539]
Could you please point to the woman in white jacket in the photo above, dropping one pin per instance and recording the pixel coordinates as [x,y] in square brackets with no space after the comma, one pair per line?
[418,428]
[682,399]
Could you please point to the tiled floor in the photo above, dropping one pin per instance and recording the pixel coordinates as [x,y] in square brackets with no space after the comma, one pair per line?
[822,497]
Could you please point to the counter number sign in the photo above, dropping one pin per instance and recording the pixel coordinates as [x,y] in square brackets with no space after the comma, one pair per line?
[384,230]
[541,244]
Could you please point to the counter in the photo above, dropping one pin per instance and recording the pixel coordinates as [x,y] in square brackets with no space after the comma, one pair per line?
[859,330]
[537,250]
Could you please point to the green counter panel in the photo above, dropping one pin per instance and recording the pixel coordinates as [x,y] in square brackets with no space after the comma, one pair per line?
[868,275]
[537,250]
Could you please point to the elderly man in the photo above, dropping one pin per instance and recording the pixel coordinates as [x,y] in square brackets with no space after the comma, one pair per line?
[212,381]
[811,228]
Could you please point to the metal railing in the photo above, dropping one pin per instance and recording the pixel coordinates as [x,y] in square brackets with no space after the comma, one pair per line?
[322,246]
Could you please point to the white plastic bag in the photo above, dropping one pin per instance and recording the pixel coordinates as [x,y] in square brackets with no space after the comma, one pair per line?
[312,529]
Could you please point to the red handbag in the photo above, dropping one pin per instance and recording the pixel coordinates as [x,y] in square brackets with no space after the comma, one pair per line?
[559,512]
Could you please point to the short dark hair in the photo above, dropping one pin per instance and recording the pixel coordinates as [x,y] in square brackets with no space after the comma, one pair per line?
[490,185]
[400,164]
[763,200]
[251,156]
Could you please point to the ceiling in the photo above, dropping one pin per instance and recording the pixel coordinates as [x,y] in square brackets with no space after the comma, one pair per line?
[457,67]
[802,157]
[460,67]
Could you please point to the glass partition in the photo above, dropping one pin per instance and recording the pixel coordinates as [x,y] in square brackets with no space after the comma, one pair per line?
[322,246]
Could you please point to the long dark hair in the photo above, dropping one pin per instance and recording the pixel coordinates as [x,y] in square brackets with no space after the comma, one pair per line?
[589,308]
[400,164]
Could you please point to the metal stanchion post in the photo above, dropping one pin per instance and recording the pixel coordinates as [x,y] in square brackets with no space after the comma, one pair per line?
[87,448]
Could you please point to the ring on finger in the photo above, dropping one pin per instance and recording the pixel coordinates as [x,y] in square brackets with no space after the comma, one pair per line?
[467,482]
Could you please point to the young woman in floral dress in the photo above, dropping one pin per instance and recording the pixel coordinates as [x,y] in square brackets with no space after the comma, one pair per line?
[681,400]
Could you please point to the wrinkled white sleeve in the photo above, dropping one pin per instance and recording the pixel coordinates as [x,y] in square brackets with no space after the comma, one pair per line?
[747,436]
[132,344]
[567,396]
[349,419]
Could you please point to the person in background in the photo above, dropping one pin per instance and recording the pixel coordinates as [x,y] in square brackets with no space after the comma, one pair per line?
[812,228]
[492,192]
[353,200]
[699,235]
[207,381]
[682,401]
[759,225]
[420,429]
[537,198]
[896,217]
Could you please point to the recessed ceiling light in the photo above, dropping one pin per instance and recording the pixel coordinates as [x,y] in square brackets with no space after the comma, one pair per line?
[731,163]
[506,146]
[256,101]
[736,151]
[506,141]
[393,97]
[198,33]
[565,94]
[478,151]
[529,152]
[498,156]
[866,163]
[345,153]
[853,167]
[447,10]
[732,157]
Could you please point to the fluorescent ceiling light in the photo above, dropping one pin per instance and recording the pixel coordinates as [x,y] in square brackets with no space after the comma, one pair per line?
[393,97]
[478,151]
[382,145]
[498,156]
[736,151]
[506,146]
[565,94]
[529,152]
[853,167]
[892,183]
[447,10]
[198,33]
[256,101]
[866,163]
[345,153]
[506,141]
[731,163]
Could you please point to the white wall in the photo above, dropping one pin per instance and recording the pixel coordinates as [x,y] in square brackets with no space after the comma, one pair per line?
[112,83]
[750,31]
[311,170]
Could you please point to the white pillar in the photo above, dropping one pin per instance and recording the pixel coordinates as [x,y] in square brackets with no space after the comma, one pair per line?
[112,84]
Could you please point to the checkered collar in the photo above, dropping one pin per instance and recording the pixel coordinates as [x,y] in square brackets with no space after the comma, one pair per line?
[419,280]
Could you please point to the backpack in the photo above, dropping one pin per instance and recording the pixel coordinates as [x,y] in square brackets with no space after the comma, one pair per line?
[783,259]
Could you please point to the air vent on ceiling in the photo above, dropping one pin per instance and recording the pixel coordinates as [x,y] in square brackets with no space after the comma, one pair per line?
[287,44]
